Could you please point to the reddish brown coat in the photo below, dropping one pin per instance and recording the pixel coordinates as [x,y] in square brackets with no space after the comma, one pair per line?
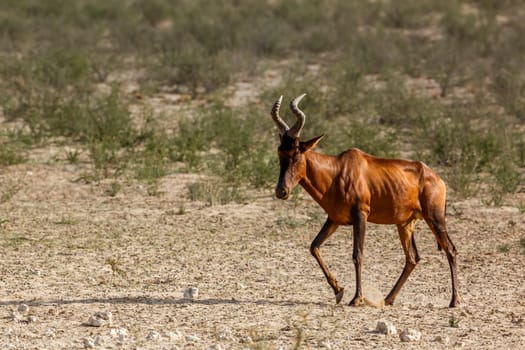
[354,188]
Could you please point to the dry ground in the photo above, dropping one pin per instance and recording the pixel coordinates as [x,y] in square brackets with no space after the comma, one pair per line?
[69,250]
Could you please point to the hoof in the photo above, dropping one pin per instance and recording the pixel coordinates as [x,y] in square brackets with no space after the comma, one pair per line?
[356,301]
[389,301]
[339,296]
[454,303]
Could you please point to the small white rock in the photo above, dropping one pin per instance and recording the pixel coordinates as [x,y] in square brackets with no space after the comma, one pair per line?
[326,344]
[32,319]
[386,327]
[226,336]
[121,333]
[88,343]
[23,308]
[247,340]
[153,336]
[100,319]
[177,335]
[410,335]
[215,347]
[191,293]
[442,339]
[192,338]
[98,340]
[16,317]
[105,315]
[95,321]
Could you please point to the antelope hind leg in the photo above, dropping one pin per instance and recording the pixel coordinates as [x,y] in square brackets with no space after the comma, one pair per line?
[339,295]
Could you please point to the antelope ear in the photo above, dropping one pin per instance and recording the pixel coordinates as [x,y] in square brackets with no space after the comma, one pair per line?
[310,144]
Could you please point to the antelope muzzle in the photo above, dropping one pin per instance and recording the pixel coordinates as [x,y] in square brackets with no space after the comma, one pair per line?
[281,192]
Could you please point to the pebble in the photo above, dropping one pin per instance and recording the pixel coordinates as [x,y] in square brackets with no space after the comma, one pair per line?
[88,343]
[16,317]
[94,321]
[226,336]
[215,347]
[100,319]
[50,332]
[442,339]
[410,335]
[386,327]
[326,344]
[177,335]
[23,308]
[246,340]
[153,336]
[105,315]
[121,333]
[192,338]
[98,340]
[191,293]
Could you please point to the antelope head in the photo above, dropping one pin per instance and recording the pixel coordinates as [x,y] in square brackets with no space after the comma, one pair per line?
[292,151]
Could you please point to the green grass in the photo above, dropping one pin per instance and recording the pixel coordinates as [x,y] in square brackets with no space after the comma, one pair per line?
[504,248]
[214,192]
[10,154]
[453,321]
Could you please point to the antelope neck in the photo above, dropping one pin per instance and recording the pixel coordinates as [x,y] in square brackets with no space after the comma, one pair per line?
[321,172]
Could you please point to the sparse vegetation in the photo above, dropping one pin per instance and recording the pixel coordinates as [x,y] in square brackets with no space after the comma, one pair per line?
[213,192]
[115,264]
[10,155]
[453,321]
[504,248]
[67,79]
[122,122]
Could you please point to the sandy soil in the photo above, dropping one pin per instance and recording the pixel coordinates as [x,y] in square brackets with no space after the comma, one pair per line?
[69,251]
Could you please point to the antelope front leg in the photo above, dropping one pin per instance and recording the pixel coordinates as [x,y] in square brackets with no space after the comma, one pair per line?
[359,224]
[329,227]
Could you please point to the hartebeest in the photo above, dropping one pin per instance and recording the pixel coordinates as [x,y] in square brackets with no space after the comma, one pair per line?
[354,188]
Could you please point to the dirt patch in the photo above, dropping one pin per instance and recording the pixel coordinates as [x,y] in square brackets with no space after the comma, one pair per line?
[70,251]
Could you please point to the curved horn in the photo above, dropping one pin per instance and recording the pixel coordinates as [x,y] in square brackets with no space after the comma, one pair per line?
[295,131]
[283,128]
